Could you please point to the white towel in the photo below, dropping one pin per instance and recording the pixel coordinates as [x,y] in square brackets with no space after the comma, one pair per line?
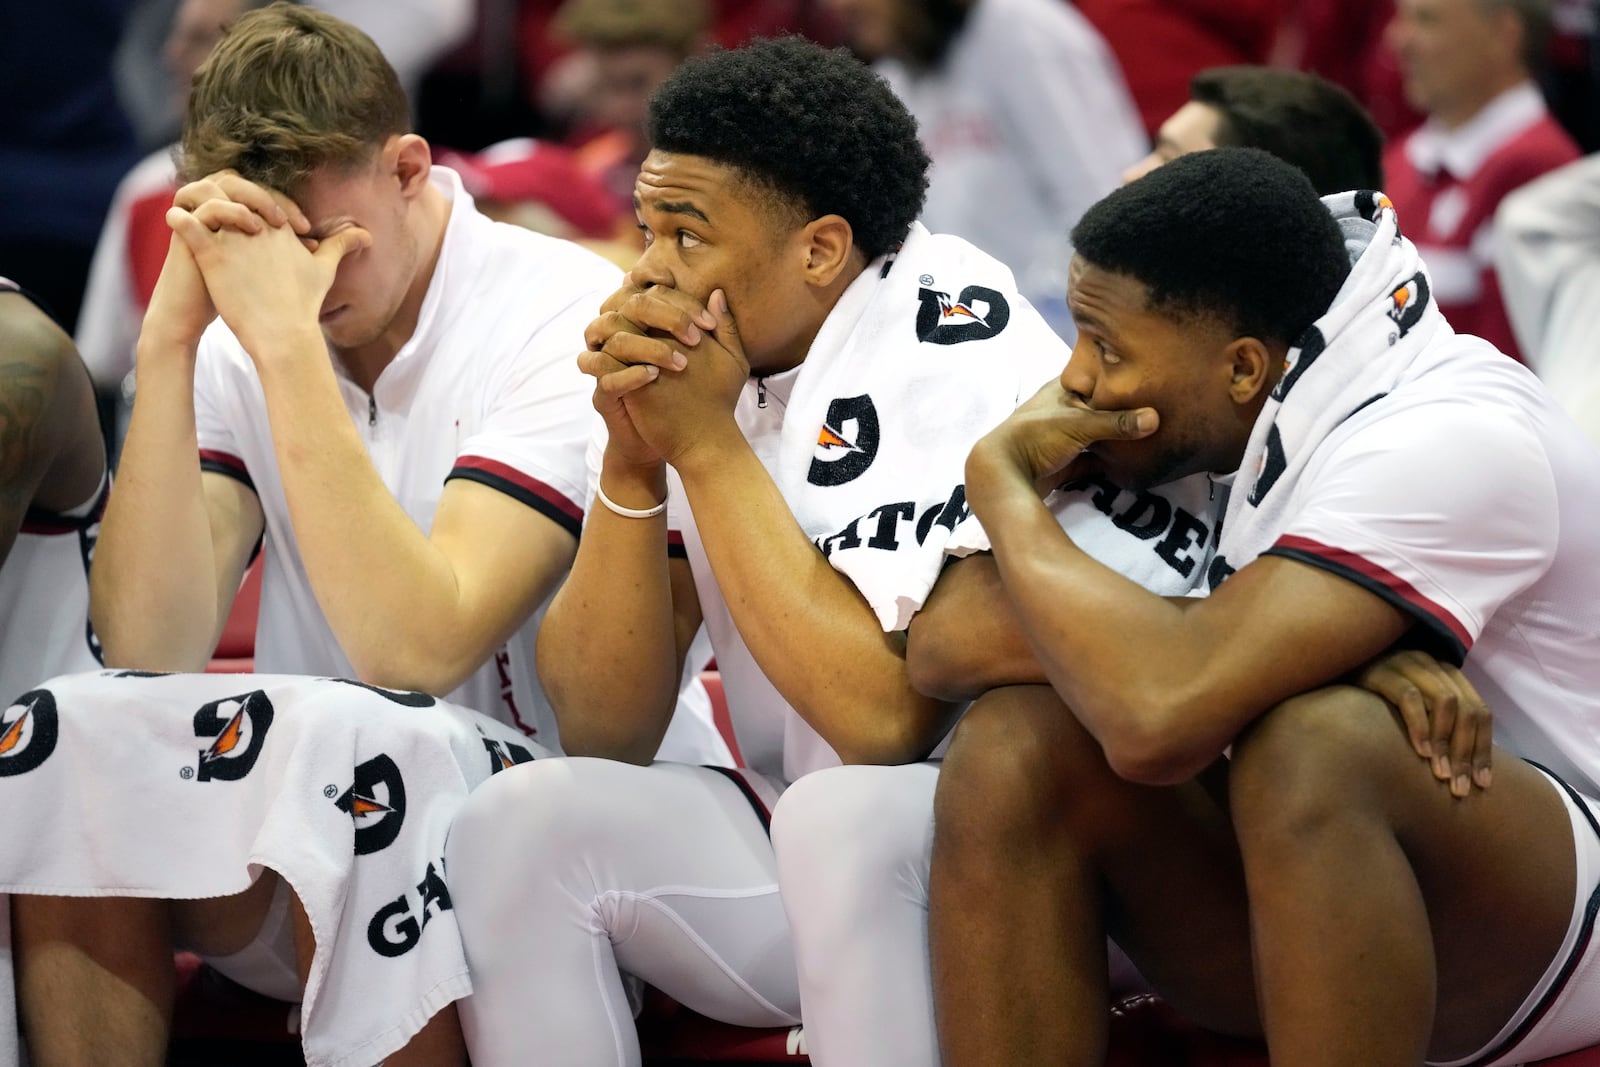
[1161,538]
[184,786]
[1381,320]
[925,352]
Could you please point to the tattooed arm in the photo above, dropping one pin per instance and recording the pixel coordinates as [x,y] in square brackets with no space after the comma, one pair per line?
[51,452]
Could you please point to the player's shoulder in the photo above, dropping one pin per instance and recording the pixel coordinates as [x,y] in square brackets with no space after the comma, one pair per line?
[1471,415]
[29,336]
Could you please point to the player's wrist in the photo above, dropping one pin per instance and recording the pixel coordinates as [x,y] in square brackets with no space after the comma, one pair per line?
[274,348]
[633,486]
[160,346]
[709,450]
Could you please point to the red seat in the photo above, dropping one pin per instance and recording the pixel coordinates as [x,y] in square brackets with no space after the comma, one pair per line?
[712,680]
[214,1017]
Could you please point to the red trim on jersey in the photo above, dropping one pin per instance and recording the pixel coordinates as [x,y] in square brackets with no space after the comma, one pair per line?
[233,464]
[675,546]
[523,486]
[1389,580]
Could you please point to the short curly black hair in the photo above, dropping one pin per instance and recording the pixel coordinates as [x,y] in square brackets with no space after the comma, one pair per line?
[1232,233]
[815,125]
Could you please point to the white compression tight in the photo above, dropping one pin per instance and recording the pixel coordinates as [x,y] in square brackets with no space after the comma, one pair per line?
[854,848]
[568,873]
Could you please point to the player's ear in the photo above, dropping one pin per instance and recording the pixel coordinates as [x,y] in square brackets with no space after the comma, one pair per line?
[413,160]
[827,243]
[1253,369]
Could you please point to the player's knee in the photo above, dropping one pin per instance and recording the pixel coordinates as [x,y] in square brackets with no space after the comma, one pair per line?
[1007,766]
[853,830]
[544,811]
[1308,763]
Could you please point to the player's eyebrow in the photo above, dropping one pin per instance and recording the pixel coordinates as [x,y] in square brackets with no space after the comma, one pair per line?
[672,207]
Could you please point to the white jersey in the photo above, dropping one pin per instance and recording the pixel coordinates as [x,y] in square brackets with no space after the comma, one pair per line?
[1028,121]
[44,593]
[1466,498]
[488,389]
[44,597]
[775,740]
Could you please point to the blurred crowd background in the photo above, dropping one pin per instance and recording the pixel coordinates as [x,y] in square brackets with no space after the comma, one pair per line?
[1031,109]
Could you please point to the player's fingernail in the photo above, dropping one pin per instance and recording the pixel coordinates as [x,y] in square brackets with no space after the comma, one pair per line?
[1145,421]
[692,334]
[1483,776]
[652,372]
[1441,767]
[706,318]
[679,361]
[1461,786]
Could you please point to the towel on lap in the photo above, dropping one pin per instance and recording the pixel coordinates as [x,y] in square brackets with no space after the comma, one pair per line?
[122,783]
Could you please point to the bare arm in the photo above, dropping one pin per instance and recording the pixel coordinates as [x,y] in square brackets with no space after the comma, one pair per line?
[51,455]
[1165,685]
[814,635]
[611,647]
[174,542]
[410,610]
[967,639]
[809,628]
[464,586]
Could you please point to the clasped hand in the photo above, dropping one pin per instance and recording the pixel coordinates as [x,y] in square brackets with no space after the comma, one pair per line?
[1041,439]
[262,275]
[668,371]
[1446,721]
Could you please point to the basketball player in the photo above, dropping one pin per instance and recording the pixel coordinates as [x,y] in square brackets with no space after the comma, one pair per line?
[419,492]
[1396,485]
[787,332]
[53,482]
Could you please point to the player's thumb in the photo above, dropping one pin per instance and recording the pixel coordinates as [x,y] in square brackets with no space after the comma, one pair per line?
[336,246]
[1130,425]
[727,330]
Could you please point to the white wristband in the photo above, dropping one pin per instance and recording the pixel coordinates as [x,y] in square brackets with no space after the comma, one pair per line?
[629,513]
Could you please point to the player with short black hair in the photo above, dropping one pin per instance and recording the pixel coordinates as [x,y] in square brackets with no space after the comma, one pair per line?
[1272,288]
[790,381]
[1366,880]
[783,132]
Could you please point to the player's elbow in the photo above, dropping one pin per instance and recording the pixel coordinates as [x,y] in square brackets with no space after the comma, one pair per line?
[892,738]
[129,641]
[1148,746]
[418,668]
[935,663]
[583,736]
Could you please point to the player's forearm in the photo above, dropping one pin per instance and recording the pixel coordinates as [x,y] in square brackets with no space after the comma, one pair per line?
[152,589]
[807,626]
[608,647]
[967,640]
[1126,661]
[389,595]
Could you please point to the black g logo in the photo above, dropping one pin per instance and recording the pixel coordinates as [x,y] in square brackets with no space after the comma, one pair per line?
[847,443]
[27,738]
[978,314]
[376,802]
[240,726]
